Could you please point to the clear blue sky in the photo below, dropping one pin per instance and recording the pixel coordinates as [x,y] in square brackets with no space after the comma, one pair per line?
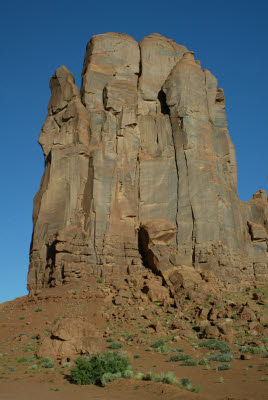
[230,38]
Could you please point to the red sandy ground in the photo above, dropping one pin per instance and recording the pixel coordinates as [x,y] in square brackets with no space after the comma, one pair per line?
[19,322]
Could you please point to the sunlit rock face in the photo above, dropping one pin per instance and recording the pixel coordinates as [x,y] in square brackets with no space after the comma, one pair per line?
[140,171]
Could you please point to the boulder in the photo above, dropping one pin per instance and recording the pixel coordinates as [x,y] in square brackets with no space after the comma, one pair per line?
[157,232]
[69,338]
[157,293]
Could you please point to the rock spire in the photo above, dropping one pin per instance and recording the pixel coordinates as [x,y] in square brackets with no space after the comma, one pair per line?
[140,171]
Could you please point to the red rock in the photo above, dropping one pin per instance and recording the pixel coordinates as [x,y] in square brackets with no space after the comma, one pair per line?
[127,159]
[70,337]
[211,332]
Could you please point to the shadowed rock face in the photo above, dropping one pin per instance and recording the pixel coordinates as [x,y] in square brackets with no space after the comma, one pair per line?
[140,171]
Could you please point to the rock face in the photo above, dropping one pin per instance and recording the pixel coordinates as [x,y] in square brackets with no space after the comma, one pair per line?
[140,171]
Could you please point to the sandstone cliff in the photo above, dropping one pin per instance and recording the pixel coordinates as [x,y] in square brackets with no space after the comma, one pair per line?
[140,171]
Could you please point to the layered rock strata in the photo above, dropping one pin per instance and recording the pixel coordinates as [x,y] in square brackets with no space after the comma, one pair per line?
[140,171]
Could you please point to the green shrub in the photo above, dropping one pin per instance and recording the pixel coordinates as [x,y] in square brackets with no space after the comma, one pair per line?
[145,331]
[254,349]
[179,357]
[203,361]
[223,367]
[29,347]
[215,344]
[66,364]
[189,363]
[163,349]
[186,383]
[35,366]
[194,389]
[139,376]
[109,376]
[115,346]
[169,378]
[158,343]
[223,357]
[149,376]
[34,337]
[38,309]
[100,369]
[24,360]
[46,362]
[180,350]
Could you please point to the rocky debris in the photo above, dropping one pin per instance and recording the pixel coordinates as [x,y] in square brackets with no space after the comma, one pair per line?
[136,309]
[140,171]
[156,293]
[199,309]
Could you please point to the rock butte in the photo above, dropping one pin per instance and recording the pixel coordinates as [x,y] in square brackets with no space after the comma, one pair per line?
[140,171]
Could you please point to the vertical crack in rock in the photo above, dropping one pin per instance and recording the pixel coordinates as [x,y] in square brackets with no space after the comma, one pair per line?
[143,146]
[192,211]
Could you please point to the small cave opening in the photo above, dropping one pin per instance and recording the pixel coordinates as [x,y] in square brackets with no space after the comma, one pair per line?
[51,258]
[51,253]
[143,240]
[163,102]
[48,159]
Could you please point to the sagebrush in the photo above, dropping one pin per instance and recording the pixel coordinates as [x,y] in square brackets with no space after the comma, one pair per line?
[100,369]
